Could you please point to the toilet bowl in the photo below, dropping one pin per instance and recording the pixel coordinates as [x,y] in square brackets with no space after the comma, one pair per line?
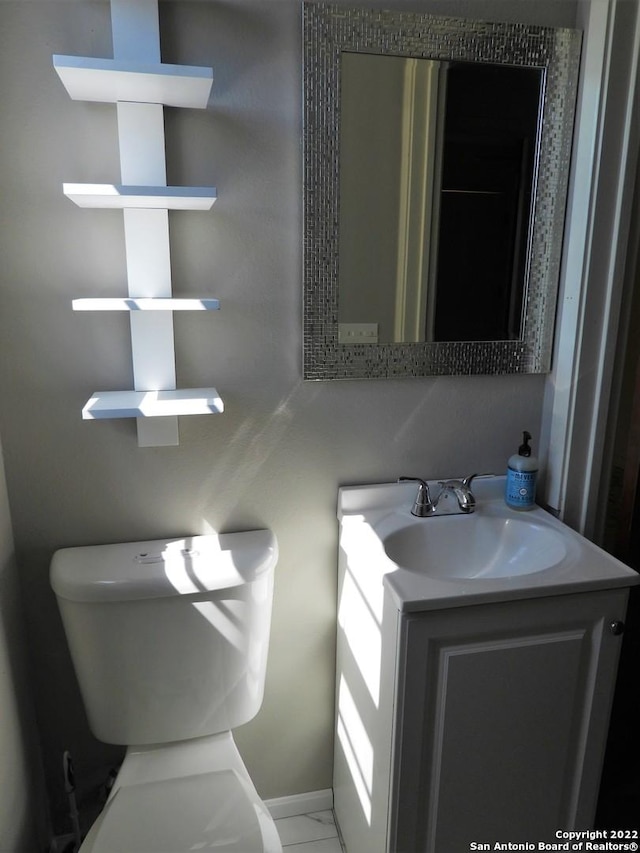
[169,640]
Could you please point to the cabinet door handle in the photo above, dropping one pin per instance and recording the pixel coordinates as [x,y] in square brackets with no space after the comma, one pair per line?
[616,628]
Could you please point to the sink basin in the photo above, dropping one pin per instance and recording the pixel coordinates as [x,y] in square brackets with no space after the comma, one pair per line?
[476,546]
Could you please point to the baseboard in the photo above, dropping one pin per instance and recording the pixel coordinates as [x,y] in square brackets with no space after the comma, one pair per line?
[296,804]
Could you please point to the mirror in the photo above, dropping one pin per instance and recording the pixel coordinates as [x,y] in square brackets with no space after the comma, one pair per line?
[436,165]
[451,148]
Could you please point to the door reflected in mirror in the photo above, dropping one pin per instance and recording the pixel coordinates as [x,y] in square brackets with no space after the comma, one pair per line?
[438,162]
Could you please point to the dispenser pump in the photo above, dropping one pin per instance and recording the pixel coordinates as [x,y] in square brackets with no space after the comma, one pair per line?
[524,449]
[522,475]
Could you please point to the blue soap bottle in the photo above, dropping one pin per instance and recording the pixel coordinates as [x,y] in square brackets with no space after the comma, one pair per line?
[522,475]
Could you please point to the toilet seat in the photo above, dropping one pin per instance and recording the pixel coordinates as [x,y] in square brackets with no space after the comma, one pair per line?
[184,796]
[201,812]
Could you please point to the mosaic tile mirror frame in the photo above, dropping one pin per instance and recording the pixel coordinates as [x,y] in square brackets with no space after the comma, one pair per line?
[329,33]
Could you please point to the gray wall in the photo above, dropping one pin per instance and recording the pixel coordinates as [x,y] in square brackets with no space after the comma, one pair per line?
[23,814]
[279,452]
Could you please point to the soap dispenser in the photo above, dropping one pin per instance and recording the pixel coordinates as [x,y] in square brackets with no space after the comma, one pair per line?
[522,474]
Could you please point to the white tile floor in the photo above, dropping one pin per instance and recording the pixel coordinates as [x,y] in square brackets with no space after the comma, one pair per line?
[309,833]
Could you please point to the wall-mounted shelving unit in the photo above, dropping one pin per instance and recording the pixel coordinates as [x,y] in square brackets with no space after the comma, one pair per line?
[141,85]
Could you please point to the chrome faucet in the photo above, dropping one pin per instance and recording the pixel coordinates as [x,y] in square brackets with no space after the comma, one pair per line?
[455,497]
[461,489]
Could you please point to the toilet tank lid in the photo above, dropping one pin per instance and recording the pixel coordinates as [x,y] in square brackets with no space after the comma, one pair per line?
[159,568]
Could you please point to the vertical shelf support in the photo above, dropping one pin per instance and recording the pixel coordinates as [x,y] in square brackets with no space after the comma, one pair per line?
[136,37]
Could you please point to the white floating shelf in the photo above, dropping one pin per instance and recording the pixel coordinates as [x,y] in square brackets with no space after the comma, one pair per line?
[109,80]
[121,197]
[144,304]
[150,404]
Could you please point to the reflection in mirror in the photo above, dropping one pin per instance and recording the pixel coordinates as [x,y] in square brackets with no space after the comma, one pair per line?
[436,157]
[437,161]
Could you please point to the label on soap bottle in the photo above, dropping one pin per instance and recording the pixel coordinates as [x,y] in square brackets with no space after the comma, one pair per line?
[520,492]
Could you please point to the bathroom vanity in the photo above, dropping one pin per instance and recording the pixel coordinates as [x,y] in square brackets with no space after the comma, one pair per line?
[477,658]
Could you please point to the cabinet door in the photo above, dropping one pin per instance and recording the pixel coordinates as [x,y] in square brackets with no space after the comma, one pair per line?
[502,721]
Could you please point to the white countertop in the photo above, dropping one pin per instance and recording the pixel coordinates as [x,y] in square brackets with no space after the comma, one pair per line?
[369,512]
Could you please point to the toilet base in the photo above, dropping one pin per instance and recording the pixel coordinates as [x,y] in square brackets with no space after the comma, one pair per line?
[177,797]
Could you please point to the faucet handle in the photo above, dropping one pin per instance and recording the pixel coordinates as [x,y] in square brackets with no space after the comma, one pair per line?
[423,505]
[464,481]
[423,483]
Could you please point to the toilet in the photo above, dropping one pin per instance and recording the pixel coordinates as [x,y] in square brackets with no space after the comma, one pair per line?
[169,642]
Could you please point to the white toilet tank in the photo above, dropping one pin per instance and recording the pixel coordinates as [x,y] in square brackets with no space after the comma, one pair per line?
[168,638]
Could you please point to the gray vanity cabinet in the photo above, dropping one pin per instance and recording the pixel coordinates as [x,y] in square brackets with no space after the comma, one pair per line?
[501,716]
